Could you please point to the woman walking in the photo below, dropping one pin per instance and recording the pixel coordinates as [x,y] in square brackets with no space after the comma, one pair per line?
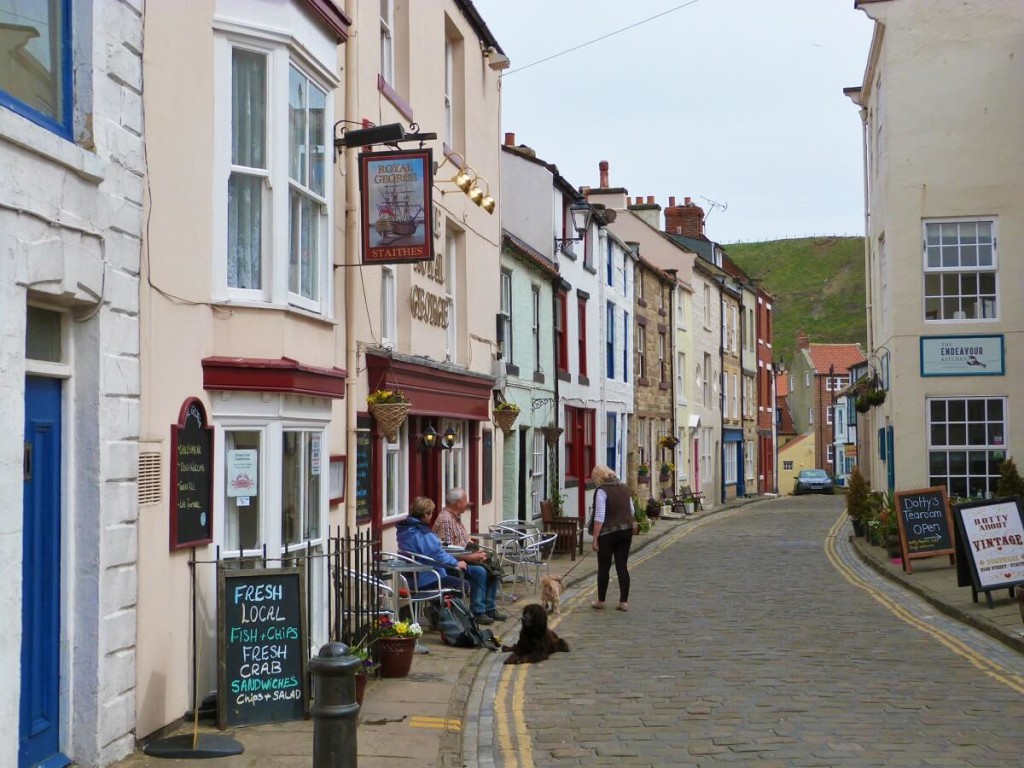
[614,526]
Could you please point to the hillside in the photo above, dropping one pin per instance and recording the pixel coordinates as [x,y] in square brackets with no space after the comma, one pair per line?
[818,284]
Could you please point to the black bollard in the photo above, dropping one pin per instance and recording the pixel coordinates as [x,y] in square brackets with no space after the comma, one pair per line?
[334,707]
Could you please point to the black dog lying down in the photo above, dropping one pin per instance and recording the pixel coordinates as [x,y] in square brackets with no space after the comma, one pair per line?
[536,642]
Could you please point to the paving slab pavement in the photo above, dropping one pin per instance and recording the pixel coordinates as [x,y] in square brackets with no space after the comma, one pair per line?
[428,714]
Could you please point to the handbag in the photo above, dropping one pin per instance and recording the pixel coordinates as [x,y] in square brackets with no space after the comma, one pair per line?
[590,522]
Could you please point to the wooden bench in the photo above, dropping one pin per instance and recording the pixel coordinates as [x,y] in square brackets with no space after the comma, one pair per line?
[569,530]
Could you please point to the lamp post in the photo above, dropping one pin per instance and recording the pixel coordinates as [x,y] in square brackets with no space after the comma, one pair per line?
[579,213]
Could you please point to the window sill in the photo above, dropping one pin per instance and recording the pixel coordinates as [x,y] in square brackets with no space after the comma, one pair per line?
[643,382]
[563,376]
[663,386]
[39,141]
[511,369]
[538,377]
[590,268]
[230,304]
[389,93]
[581,379]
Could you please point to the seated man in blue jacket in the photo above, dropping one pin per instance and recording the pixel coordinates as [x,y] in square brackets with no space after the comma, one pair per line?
[414,535]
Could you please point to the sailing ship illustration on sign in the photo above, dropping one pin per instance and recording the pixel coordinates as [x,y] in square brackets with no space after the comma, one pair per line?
[398,213]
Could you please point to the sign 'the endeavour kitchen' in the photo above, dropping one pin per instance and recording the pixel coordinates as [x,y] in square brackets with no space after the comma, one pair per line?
[962,355]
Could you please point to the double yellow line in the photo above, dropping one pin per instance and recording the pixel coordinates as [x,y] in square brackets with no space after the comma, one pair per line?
[513,740]
[961,649]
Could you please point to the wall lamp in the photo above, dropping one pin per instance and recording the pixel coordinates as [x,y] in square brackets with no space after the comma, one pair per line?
[579,213]
[431,439]
[468,181]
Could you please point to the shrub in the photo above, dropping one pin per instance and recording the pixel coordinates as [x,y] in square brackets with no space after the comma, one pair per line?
[1010,482]
[857,495]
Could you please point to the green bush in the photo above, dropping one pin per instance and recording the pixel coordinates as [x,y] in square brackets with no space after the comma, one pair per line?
[857,495]
[1010,482]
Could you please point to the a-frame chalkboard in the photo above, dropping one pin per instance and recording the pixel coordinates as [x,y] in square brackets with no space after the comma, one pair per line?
[990,542]
[925,523]
[261,638]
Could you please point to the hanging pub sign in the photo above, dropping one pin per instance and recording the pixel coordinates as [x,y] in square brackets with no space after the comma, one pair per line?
[191,477]
[395,189]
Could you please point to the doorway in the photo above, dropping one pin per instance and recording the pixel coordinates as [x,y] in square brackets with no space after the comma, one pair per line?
[39,706]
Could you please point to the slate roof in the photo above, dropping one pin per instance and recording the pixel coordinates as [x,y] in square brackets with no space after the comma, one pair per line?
[842,356]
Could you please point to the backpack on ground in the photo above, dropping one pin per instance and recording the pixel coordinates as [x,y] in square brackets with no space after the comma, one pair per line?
[458,628]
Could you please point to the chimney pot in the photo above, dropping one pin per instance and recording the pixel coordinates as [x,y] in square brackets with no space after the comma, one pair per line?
[603,168]
[671,202]
[686,201]
[650,199]
[510,139]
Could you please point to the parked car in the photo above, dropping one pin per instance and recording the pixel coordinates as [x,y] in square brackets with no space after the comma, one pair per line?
[813,481]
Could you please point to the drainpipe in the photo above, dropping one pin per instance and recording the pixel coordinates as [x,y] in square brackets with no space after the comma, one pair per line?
[721,386]
[351,253]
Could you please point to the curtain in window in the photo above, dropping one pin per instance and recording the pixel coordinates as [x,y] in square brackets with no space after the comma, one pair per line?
[248,151]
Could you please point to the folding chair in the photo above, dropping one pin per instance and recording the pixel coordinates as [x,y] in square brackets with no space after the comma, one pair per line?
[404,568]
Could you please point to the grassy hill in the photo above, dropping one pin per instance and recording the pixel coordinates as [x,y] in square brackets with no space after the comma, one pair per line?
[818,284]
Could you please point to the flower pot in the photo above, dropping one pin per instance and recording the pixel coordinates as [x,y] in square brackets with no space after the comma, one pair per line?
[505,419]
[390,417]
[360,687]
[893,548]
[858,526]
[395,655]
[551,434]
[689,507]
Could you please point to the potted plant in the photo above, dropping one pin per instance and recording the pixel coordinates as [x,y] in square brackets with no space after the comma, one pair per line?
[857,501]
[395,644]
[505,415]
[643,472]
[875,396]
[367,666]
[389,407]
[861,404]
[667,468]
[668,442]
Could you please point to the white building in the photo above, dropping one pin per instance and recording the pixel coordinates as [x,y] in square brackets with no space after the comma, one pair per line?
[71,191]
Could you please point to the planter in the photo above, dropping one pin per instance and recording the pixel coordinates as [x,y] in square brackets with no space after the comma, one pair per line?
[505,419]
[893,548]
[360,687]
[858,526]
[862,405]
[551,434]
[665,477]
[689,506]
[390,417]
[395,655]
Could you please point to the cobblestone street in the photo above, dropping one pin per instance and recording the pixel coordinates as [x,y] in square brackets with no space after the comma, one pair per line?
[754,639]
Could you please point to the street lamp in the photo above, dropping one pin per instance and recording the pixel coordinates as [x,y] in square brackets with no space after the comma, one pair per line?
[579,213]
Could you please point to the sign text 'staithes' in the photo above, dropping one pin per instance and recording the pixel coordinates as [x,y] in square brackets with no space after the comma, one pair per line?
[429,307]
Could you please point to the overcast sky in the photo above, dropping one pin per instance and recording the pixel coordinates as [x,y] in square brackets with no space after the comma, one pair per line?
[737,101]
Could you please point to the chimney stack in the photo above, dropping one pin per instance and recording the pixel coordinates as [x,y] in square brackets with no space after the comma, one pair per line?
[802,342]
[686,219]
[510,139]
[603,168]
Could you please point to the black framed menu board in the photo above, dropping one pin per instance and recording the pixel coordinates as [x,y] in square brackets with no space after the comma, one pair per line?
[261,638]
[925,523]
[364,470]
[191,487]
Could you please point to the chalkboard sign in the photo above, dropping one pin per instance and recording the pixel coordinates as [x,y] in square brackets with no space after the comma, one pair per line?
[364,474]
[926,526]
[191,495]
[261,661]
[991,539]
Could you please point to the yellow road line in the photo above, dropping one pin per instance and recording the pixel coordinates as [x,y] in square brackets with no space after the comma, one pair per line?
[440,723]
[961,649]
[515,746]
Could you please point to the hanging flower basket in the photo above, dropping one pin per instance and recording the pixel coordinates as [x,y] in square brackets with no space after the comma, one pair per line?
[505,415]
[389,408]
[875,397]
[668,442]
[551,434]
[862,405]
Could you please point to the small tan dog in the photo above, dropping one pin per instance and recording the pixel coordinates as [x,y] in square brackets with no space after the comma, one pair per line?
[551,588]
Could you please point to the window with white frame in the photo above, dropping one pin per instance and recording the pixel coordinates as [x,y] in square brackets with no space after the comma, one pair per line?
[37,78]
[883,279]
[748,460]
[453,461]
[680,377]
[730,463]
[449,93]
[535,327]
[681,308]
[967,441]
[735,395]
[706,381]
[301,486]
[276,178]
[787,466]
[609,326]
[505,345]
[641,440]
[707,306]
[387,41]
[641,352]
[836,383]
[452,246]
[810,415]
[663,362]
[393,478]
[807,378]
[830,453]
[537,464]
[960,269]
[705,455]
[829,412]
[388,306]
[243,506]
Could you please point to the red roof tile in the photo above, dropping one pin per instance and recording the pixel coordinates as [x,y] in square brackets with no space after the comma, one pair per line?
[842,356]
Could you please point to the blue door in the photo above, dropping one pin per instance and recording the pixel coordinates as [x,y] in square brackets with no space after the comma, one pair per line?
[891,458]
[39,723]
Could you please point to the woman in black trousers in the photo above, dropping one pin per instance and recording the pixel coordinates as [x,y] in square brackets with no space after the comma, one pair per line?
[614,526]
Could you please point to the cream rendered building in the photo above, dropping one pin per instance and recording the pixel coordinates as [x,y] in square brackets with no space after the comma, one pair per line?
[944,163]
[428,329]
